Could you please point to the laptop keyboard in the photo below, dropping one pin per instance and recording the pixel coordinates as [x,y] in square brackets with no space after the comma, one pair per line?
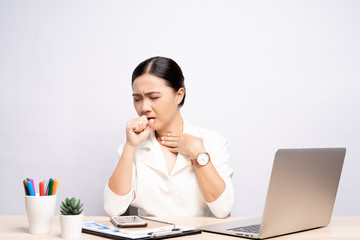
[247,229]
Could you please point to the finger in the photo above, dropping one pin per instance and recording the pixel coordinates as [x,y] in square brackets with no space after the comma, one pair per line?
[143,118]
[137,128]
[149,126]
[144,124]
[146,132]
[174,150]
[134,122]
[171,139]
[169,144]
[140,126]
[151,123]
[172,135]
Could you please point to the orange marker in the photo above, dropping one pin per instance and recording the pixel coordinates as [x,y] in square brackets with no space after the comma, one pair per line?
[41,187]
[56,184]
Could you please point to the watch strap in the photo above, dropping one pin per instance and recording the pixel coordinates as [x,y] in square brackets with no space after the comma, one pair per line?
[194,162]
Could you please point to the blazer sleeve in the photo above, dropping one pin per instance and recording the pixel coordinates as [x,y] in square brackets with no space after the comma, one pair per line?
[221,207]
[114,204]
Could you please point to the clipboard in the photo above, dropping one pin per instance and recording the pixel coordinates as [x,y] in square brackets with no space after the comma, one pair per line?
[155,230]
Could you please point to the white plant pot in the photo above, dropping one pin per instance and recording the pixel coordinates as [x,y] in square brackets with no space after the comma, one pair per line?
[71,226]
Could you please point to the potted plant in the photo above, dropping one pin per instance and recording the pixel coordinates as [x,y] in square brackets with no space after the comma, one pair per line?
[71,218]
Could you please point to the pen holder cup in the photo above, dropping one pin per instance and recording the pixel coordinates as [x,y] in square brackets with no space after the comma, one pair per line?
[39,211]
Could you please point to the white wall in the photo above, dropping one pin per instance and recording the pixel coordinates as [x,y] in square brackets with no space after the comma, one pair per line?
[267,74]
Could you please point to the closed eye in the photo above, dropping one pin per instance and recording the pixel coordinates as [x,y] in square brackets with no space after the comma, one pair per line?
[136,99]
[152,95]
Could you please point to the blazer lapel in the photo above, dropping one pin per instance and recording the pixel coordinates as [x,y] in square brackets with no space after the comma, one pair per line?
[151,155]
[180,164]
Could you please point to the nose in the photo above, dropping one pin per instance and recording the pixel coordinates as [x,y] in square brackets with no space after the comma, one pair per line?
[145,107]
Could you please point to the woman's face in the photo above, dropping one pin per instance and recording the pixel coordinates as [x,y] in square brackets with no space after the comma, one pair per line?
[156,100]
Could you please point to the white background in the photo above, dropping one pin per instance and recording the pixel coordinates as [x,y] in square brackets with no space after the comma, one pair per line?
[267,74]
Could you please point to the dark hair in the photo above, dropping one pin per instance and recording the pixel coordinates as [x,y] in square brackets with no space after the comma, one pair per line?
[164,68]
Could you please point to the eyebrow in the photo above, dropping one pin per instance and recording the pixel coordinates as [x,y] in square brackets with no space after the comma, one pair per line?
[146,94]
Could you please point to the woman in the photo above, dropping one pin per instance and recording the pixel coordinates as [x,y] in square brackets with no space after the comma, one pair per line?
[168,167]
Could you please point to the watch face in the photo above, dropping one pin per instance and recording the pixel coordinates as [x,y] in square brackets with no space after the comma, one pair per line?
[203,159]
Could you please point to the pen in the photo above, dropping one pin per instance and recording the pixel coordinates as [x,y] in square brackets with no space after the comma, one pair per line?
[25,188]
[51,185]
[165,233]
[56,184]
[30,188]
[41,187]
[33,185]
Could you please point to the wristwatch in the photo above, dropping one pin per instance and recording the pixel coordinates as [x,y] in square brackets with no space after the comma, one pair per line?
[201,160]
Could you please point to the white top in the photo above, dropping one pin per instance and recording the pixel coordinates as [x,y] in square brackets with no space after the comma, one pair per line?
[156,193]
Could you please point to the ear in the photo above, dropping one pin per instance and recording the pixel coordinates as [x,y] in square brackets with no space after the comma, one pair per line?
[180,95]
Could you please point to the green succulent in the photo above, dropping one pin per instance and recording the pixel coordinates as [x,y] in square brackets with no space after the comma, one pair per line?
[71,206]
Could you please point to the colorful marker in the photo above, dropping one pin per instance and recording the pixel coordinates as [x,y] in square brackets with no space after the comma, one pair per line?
[33,185]
[56,184]
[41,187]
[25,187]
[51,186]
[30,188]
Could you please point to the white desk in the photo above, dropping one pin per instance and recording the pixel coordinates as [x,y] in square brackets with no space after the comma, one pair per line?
[348,227]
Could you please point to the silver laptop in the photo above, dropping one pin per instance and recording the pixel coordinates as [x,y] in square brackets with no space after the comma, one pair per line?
[301,194]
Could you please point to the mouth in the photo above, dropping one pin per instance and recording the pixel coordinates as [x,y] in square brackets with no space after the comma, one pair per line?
[150,118]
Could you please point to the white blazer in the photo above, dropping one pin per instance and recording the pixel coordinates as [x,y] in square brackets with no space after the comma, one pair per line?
[156,193]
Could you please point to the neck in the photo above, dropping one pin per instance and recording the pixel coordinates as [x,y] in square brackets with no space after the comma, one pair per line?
[174,126]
